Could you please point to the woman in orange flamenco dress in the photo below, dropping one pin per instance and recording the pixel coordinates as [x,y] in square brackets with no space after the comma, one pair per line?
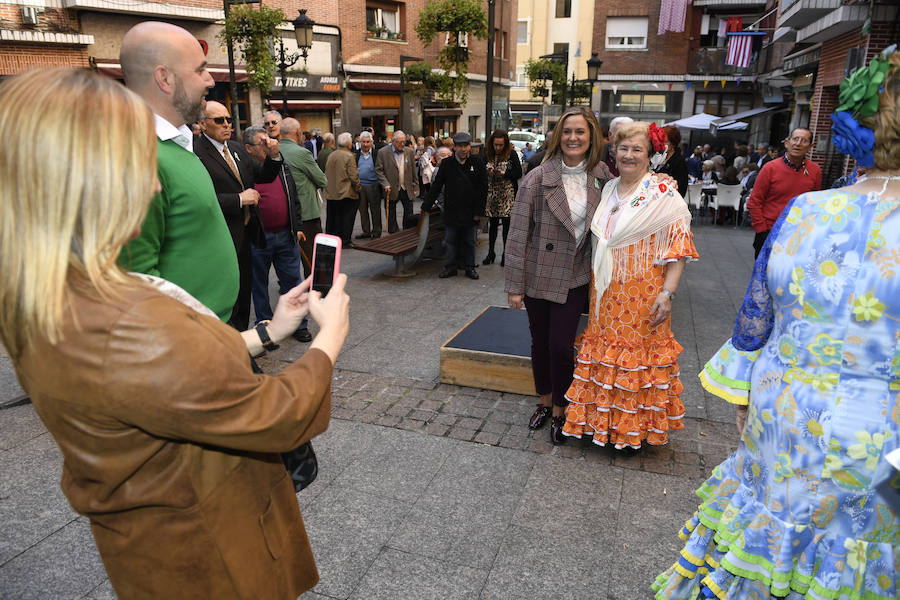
[626,387]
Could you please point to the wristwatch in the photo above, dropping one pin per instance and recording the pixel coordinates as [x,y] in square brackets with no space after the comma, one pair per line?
[671,295]
[263,333]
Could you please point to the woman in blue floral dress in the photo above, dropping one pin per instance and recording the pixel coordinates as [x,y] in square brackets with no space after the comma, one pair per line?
[807,507]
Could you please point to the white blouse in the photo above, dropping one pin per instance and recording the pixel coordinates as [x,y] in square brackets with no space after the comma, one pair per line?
[575,183]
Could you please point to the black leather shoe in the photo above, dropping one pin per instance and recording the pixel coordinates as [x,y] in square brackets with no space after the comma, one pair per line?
[303,336]
[471,273]
[363,236]
[539,417]
[556,427]
[447,272]
[489,259]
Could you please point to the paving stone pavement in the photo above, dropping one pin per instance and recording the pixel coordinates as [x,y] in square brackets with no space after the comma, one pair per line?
[430,490]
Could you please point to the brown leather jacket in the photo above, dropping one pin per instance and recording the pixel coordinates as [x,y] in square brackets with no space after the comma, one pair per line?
[170,445]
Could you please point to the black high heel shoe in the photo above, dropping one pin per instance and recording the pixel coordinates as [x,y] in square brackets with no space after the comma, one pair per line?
[503,259]
[489,259]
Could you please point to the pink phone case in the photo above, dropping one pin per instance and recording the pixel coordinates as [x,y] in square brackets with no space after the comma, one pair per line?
[337,254]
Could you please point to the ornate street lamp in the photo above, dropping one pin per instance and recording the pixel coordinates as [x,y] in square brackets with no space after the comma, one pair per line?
[594,64]
[303,32]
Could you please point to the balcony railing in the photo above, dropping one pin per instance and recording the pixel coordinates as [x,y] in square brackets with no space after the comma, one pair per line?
[711,61]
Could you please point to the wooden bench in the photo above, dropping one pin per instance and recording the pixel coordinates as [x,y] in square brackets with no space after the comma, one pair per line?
[408,241]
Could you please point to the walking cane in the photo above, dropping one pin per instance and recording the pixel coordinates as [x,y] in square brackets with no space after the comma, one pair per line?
[301,237]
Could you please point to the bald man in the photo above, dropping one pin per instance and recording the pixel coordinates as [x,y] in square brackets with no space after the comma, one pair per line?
[234,173]
[184,238]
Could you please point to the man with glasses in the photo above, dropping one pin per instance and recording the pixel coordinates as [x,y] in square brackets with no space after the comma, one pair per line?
[184,238]
[280,212]
[272,121]
[234,174]
[779,181]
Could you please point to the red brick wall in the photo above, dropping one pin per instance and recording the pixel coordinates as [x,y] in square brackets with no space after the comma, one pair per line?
[667,53]
[828,78]
[15,58]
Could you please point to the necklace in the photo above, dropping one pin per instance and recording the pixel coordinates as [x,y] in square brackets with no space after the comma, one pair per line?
[887,180]
[622,198]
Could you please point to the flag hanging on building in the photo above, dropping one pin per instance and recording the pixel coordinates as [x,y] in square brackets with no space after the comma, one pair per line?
[740,48]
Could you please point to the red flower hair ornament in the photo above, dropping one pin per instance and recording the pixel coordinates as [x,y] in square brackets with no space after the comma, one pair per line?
[658,138]
[659,141]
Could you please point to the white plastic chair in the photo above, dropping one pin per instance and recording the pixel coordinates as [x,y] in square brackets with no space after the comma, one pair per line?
[728,196]
[695,196]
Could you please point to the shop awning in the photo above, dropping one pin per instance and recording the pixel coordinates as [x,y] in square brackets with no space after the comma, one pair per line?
[384,85]
[307,104]
[219,73]
[753,112]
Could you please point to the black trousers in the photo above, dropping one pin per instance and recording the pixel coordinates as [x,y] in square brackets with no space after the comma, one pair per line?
[391,217]
[553,327]
[340,219]
[240,314]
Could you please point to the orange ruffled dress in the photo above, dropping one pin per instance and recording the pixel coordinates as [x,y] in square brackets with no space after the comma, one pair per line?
[626,387]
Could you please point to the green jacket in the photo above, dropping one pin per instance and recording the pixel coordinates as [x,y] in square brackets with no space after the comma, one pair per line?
[322,159]
[307,177]
[184,237]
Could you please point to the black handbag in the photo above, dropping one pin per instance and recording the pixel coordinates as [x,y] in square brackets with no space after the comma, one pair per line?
[301,462]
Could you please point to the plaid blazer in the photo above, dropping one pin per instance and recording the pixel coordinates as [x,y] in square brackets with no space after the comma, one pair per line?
[542,259]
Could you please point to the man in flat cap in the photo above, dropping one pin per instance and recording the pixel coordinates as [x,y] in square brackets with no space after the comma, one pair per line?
[463,180]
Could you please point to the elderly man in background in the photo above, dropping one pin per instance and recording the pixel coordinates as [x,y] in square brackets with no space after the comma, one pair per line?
[280,213]
[396,169]
[272,122]
[308,178]
[609,155]
[779,181]
[463,181]
[234,174]
[370,193]
[184,238]
[342,191]
[325,152]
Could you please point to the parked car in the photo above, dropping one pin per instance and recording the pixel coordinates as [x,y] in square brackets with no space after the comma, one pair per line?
[519,138]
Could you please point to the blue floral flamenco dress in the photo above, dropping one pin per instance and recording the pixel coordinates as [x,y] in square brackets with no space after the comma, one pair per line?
[807,507]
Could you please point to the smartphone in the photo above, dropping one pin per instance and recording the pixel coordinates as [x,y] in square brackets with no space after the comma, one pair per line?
[326,262]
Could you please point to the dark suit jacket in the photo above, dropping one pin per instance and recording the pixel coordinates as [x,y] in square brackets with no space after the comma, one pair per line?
[228,188]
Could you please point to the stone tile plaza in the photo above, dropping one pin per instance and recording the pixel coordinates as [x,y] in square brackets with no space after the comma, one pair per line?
[429,490]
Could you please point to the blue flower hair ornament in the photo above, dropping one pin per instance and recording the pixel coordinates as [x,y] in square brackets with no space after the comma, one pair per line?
[858,95]
[849,137]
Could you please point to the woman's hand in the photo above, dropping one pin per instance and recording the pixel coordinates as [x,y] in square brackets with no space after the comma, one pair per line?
[741,419]
[332,314]
[292,307]
[661,309]
[515,300]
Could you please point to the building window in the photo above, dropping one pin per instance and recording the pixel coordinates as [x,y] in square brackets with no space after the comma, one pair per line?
[522,32]
[383,20]
[722,104]
[563,9]
[562,49]
[463,39]
[640,102]
[626,33]
[521,78]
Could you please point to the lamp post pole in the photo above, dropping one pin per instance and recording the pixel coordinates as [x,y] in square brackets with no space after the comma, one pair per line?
[284,63]
[489,84]
[231,79]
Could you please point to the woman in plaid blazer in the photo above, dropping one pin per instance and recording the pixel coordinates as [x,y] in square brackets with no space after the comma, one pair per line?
[548,255]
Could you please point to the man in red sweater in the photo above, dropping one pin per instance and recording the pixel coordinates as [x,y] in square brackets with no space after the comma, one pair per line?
[779,181]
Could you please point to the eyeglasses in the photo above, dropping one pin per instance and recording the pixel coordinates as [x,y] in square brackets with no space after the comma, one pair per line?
[222,120]
[271,123]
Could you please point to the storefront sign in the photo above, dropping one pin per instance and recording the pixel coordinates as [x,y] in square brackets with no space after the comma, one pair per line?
[310,83]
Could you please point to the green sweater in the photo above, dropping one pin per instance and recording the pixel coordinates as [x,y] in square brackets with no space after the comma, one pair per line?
[184,238]
[307,176]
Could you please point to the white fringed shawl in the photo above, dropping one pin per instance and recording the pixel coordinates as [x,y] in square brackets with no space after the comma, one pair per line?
[655,211]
